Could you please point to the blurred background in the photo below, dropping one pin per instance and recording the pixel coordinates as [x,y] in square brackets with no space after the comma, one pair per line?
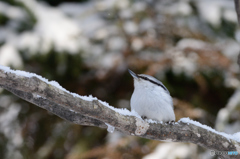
[88,45]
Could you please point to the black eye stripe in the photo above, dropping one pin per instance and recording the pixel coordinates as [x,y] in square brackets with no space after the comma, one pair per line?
[145,78]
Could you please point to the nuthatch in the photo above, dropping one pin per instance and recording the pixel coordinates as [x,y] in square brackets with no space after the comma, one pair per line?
[151,99]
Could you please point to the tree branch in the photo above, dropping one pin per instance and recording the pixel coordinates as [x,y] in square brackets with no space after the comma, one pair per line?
[83,111]
[237,8]
[57,109]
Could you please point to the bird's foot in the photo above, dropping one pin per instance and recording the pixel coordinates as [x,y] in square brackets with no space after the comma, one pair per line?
[170,122]
[144,117]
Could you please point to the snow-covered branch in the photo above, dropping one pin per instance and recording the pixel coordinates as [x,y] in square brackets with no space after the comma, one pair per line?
[90,111]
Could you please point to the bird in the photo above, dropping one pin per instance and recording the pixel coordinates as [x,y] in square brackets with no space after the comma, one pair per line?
[151,99]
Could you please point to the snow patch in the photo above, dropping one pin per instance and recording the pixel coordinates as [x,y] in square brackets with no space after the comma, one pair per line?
[130,27]
[71,110]
[37,96]
[134,113]
[210,11]
[235,136]
[10,56]
[110,128]
[153,121]
[238,148]
[168,140]
[172,150]
[198,134]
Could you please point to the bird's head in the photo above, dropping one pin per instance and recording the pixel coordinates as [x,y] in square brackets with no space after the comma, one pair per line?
[146,81]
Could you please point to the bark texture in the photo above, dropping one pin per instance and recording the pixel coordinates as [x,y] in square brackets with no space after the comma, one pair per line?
[94,113]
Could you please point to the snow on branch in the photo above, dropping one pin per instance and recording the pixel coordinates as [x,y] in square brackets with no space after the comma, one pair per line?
[90,111]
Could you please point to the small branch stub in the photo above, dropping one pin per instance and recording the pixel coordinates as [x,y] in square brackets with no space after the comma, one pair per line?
[142,127]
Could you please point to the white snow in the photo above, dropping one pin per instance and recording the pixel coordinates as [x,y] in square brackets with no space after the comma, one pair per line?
[123,4]
[230,15]
[191,43]
[110,60]
[110,128]
[225,113]
[116,43]
[62,32]
[173,150]
[134,113]
[139,6]
[126,14]
[198,135]
[146,24]
[10,56]
[11,11]
[183,63]
[36,96]
[210,11]
[130,27]
[153,121]
[137,44]
[230,48]
[106,4]
[7,119]
[235,136]
[237,35]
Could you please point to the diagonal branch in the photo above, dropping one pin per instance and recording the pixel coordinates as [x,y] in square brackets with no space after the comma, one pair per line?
[90,111]
[237,8]
[57,109]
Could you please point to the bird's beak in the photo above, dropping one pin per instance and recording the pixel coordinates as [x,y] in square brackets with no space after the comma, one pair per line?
[132,73]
